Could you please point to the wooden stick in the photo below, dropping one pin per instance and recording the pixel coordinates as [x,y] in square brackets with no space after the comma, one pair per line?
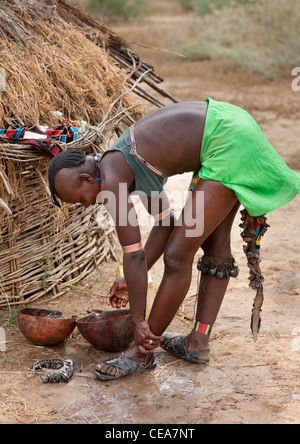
[5,207]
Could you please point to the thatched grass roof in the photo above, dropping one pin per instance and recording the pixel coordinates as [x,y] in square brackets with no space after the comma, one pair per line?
[50,65]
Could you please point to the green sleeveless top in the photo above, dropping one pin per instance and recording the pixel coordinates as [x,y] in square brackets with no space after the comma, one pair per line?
[146,180]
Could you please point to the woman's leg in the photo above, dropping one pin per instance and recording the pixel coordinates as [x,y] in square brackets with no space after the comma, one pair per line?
[219,205]
[179,255]
[212,290]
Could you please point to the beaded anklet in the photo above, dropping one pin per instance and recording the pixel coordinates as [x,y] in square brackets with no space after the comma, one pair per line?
[205,329]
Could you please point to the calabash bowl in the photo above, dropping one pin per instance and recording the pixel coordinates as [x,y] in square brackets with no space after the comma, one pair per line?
[45,327]
[107,330]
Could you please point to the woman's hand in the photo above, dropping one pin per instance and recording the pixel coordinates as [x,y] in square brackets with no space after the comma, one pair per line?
[118,294]
[145,340]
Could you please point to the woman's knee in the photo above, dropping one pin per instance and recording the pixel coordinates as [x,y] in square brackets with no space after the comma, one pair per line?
[175,260]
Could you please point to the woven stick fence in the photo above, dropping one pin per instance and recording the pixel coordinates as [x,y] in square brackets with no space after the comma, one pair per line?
[45,250]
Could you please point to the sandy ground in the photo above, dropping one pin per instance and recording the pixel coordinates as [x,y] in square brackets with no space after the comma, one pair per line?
[246,382]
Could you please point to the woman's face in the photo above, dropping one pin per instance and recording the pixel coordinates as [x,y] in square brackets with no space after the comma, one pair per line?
[72,186]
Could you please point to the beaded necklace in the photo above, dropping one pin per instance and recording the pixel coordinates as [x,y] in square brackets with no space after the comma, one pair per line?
[98,158]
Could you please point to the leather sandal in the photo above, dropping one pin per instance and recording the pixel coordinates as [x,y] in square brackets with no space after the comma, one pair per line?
[125,367]
[177,348]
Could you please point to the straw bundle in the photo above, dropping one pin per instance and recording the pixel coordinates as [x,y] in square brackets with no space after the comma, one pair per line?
[56,57]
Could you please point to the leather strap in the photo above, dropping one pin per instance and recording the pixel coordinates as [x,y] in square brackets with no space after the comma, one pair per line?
[135,153]
[163,215]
